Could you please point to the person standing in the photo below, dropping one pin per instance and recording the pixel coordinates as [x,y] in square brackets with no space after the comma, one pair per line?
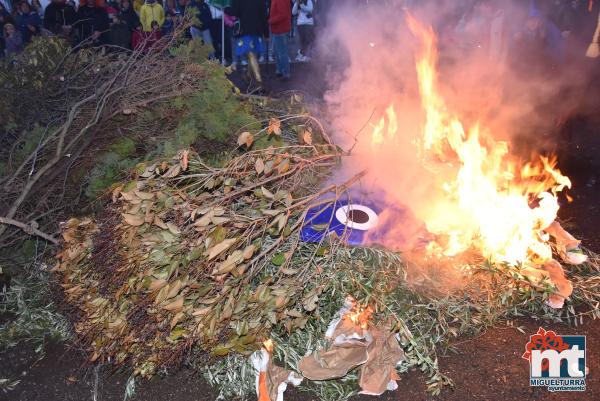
[253,28]
[128,15]
[92,24]
[280,21]
[201,30]
[306,27]
[151,11]
[13,40]
[28,22]
[59,17]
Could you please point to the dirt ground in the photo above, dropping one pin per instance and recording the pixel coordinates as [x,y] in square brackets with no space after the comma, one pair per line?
[488,367]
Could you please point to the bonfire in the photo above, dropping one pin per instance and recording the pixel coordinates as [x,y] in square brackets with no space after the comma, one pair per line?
[191,259]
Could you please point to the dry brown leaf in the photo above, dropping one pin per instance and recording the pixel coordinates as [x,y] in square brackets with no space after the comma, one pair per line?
[307,137]
[284,166]
[184,159]
[173,171]
[149,216]
[230,263]
[176,319]
[158,222]
[174,289]
[202,311]
[133,219]
[219,220]
[205,220]
[116,192]
[248,251]
[220,248]
[266,193]
[175,306]
[144,195]
[157,284]
[259,166]
[173,229]
[281,222]
[274,126]
[245,138]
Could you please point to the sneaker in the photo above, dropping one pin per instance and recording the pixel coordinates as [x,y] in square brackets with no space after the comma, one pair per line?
[305,59]
[299,56]
[244,62]
[261,59]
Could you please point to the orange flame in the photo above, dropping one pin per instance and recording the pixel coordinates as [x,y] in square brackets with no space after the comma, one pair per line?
[360,315]
[491,202]
[268,345]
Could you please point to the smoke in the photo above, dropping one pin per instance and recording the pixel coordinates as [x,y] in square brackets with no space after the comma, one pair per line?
[491,73]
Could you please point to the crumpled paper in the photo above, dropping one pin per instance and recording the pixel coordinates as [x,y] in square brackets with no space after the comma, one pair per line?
[566,244]
[271,380]
[379,374]
[553,272]
[568,249]
[375,348]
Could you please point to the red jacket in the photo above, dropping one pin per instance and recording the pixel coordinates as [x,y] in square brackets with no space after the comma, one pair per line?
[280,16]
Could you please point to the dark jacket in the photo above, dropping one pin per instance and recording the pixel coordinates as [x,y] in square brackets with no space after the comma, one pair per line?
[252,15]
[58,14]
[90,19]
[130,17]
[23,21]
[120,35]
[202,14]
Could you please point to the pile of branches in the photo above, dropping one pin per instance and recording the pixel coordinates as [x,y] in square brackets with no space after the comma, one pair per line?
[190,254]
[61,99]
[192,261]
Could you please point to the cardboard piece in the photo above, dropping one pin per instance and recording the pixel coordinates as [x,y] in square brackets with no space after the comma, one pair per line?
[556,275]
[271,380]
[379,374]
[375,348]
[553,272]
[566,244]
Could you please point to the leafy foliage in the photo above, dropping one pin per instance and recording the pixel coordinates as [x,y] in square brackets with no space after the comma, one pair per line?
[33,317]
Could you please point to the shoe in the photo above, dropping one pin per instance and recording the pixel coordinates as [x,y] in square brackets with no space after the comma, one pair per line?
[299,56]
[261,59]
[305,59]
[244,63]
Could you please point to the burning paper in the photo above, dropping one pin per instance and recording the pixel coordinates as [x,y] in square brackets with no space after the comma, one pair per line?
[357,343]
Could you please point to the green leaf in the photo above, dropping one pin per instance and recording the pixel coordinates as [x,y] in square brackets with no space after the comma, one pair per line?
[278,259]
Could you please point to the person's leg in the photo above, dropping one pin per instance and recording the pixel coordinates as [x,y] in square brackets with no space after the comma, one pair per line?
[302,34]
[195,32]
[207,39]
[275,39]
[310,39]
[285,56]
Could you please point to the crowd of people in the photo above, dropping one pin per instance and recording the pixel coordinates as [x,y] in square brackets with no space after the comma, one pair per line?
[248,24]
[132,24]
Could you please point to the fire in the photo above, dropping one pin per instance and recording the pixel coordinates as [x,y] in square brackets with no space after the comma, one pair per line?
[490,201]
[360,315]
[268,345]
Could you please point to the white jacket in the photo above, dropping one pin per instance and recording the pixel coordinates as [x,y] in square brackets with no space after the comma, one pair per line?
[303,11]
